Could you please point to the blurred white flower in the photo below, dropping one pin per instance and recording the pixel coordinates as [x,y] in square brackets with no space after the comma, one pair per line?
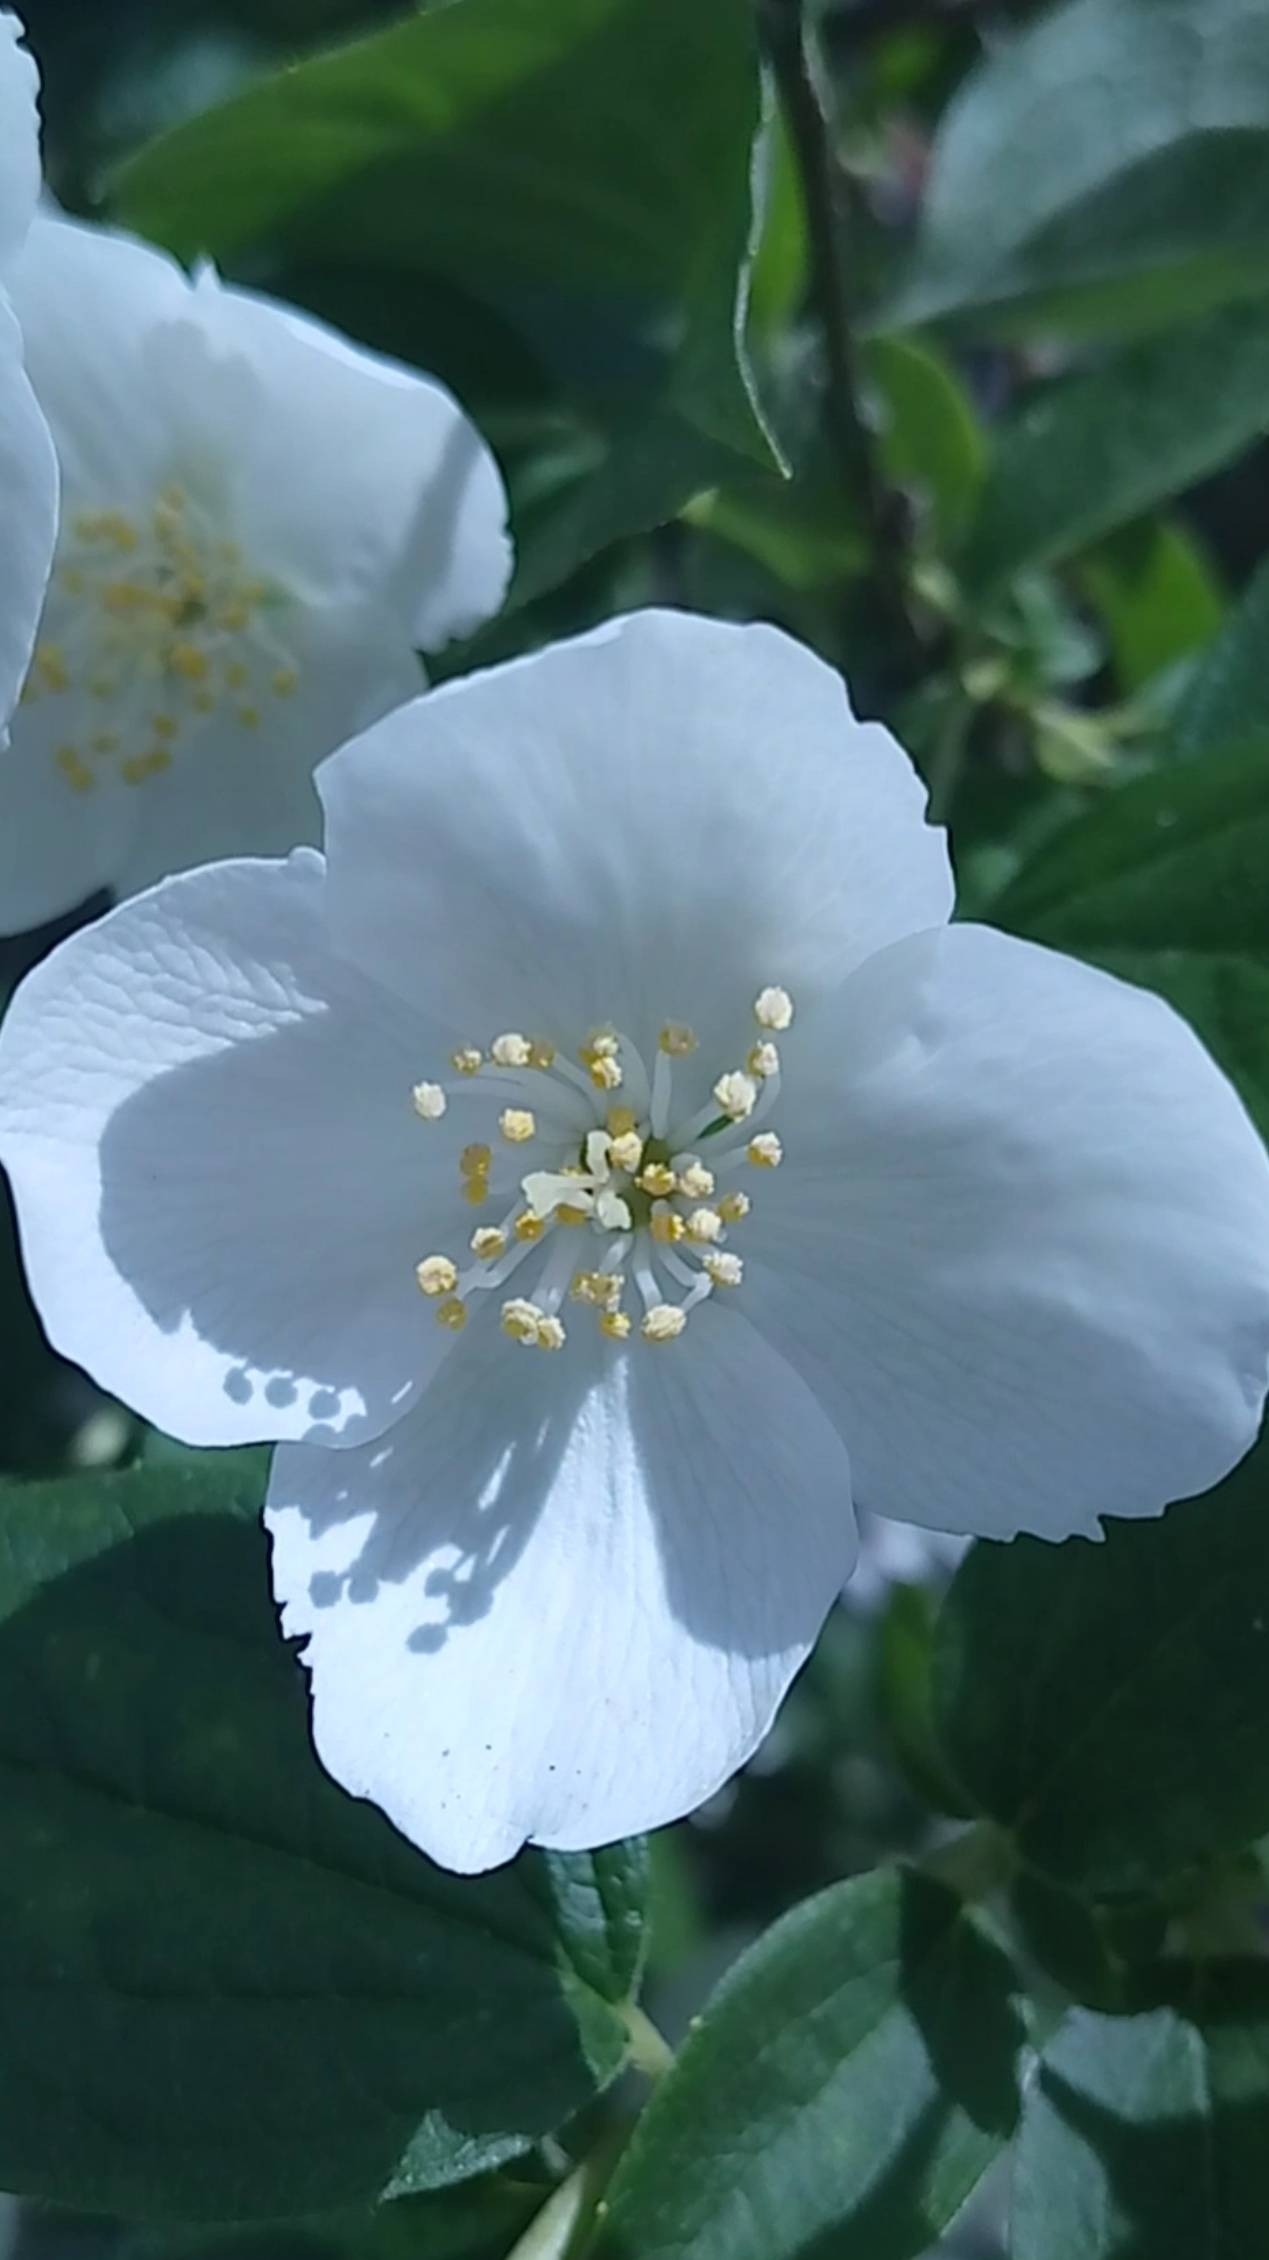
[260,522]
[28,471]
[422,1160]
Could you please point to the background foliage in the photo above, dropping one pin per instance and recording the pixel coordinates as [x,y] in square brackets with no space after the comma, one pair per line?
[966,383]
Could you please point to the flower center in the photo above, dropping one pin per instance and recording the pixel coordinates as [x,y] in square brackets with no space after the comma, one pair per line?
[152,626]
[628,1196]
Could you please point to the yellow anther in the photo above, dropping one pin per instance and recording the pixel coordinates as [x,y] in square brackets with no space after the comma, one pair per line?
[677,1039]
[658,1180]
[568,1213]
[453,1314]
[521,1319]
[605,1073]
[517,1125]
[529,1227]
[249,716]
[765,1151]
[615,1324]
[285,682]
[75,769]
[626,1152]
[550,1334]
[736,1095]
[476,1161]
[602,1043]
[476,1189]
[725,1270]
[436,1275]
[602,1288]
[186,660]
[488,1243]
[510,1051]
[704,1225]
[695,1179]
[50,661]
[165,726]
[430,1101]
[763,1060]
[667,1227]
[734,1206]
[466,1060]
[139,766]
[204,702]
[620,1121]
[105,741]
[235,616]
[73,580]
[663,1323]
[773,1008]
[541,1053]
[236,675]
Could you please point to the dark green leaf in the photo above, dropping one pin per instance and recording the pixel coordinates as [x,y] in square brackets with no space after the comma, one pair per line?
[929,437]
[1229,697]
[1144,2138]
[848,2084]
[1164,884]
[226,1989]
[583,169]
[1109,1704]
[1108,164]
[1092,453]
[1157,597]
[906,1661]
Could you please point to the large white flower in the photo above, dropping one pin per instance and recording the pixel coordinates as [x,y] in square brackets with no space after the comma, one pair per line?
[623,1019]
[259,524]
[28,470]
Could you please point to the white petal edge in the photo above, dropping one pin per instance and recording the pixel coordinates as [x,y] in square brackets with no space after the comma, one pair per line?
[647,823]
[19,139]
[1020,1246]
[562,1600]
[219,1180]
[360,475]
[28,484]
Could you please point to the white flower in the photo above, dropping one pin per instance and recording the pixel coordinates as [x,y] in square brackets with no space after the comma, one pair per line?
[28,470]
[259,525]
[1012,1273]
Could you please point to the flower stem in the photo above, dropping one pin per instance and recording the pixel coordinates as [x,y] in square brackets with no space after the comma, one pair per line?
[885,514]
[566,2218]
[650,2051]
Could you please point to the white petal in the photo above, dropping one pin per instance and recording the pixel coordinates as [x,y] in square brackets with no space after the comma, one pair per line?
[90,302]
[28,497]
[221,1186]
[649,823]
[57,846]
[19,139]
[233,791]
[361,476]
[562,1599]
[1021,1250]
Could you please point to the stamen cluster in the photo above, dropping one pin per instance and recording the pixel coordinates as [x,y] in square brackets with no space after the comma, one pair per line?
[633,1179]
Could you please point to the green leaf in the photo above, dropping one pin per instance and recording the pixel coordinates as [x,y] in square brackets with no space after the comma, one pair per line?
[846,2087]
[906,1694]
[1109,1704]
[1106,166]
[1090,454]
[1144,2138]
[1157,596]
[930,438]
[1229,696]
[583,170]
[227,1990]
[1164,884]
